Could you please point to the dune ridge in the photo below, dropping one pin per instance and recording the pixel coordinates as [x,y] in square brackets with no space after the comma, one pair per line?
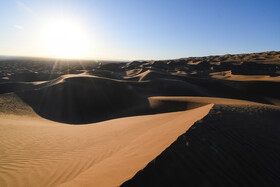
[36,151]
[234,145]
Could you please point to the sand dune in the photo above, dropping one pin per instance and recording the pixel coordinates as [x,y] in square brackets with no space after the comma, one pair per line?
[38,152]
[234,145]
[197,121]
[84,99]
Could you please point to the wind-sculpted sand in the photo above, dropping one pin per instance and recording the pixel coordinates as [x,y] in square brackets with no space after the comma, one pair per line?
[39,152]
[198,121]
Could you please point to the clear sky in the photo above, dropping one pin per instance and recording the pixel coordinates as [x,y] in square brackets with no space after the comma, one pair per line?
[138,29]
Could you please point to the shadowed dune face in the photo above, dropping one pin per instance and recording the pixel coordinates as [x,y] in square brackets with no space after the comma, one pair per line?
[84,100]
[160,105]
[231,146]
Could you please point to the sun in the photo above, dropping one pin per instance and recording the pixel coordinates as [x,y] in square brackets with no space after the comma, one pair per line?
[65,39]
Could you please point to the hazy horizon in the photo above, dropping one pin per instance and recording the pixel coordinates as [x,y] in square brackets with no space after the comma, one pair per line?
[116,60]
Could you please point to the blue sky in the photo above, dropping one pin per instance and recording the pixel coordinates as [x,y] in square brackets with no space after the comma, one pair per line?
[145,29]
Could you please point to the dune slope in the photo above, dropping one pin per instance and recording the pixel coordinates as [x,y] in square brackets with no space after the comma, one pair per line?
[234,145]
[84,99]
[38,152]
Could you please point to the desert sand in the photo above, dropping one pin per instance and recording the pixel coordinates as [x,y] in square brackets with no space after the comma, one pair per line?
[197,121]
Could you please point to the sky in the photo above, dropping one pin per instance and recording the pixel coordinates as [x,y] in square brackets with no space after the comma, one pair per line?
[138,29]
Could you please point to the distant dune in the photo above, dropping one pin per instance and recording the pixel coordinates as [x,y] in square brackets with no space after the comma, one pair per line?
[197,121]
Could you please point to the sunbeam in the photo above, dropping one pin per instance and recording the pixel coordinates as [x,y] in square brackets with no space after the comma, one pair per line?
[65,39]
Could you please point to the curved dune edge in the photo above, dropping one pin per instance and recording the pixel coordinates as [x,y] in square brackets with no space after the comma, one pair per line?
[124,164]
[39,152]
[233,145]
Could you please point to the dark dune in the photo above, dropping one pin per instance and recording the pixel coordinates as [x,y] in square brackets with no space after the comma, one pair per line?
[15,86]
[30,77]
[105,73]
[231,146]
[84,99]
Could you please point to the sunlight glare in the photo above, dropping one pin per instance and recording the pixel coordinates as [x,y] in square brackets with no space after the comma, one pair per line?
[65,39]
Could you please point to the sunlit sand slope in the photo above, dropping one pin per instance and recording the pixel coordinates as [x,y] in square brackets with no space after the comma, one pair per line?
[38,152]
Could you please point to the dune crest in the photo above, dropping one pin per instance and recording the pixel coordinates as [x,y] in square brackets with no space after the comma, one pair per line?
[43,153]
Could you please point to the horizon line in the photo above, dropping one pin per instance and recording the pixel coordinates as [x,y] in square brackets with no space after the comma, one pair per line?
[123,60]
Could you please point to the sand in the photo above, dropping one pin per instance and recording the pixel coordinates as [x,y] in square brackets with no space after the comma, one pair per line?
[232,146]
[197,121]
[39,152]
